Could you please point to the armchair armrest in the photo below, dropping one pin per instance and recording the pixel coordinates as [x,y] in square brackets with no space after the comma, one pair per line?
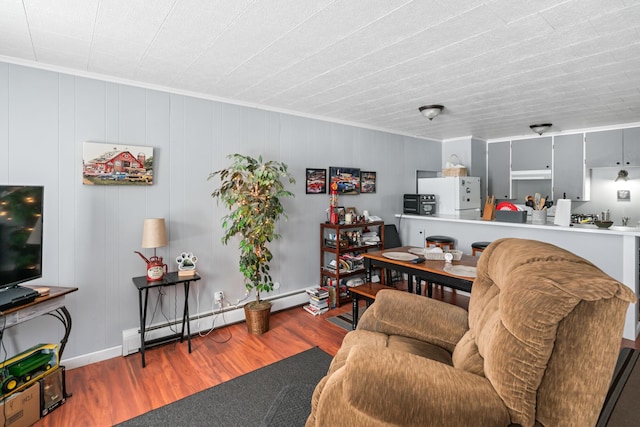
[396,388]
[415,316]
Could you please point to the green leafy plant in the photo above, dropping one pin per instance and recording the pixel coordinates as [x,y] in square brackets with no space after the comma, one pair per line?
[252,190]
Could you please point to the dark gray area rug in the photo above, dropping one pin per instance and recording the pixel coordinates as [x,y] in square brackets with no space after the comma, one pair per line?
[276,395]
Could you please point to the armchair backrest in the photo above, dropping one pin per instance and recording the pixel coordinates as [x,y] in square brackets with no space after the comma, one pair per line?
[545,329]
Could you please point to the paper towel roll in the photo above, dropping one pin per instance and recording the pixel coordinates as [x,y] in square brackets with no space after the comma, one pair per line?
[563,212]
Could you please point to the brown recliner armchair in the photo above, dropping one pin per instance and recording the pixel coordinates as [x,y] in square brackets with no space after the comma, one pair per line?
[537,347]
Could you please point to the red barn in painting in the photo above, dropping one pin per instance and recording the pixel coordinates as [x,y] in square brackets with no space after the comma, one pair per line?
[114,161]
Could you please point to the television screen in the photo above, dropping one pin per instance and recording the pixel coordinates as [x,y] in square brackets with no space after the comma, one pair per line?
[20,233]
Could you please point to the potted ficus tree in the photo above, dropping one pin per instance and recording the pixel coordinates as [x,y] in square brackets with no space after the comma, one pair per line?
[252,190]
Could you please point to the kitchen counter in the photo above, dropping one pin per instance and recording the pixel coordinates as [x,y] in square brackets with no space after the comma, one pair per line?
[614,250]
[585,228]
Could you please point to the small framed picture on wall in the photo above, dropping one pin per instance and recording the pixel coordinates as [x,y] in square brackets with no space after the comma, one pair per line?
[347,179]
[367,182]
[316,181]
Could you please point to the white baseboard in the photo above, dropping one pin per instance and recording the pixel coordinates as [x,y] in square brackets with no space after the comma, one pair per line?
[87,359]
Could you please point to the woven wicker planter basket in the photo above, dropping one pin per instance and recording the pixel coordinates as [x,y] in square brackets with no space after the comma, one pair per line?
[257,317]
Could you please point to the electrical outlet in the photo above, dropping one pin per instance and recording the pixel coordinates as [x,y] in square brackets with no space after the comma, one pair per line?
[218,296]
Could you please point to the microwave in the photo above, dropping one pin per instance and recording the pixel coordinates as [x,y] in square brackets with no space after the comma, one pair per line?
[419,204]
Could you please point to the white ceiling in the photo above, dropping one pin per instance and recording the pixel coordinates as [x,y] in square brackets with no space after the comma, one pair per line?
[497,66]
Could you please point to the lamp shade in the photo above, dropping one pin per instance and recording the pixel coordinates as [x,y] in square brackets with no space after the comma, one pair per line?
[154,233]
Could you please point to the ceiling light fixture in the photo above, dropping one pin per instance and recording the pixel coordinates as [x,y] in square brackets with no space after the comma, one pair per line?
[431,111]
[623,175]
[540,128]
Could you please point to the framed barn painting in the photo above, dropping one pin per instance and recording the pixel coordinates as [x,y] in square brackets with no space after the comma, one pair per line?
[367,182]
[316,181]
[113,164]
[348,179]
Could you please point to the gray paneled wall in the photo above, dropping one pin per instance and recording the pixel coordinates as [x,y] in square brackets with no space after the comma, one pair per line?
[91,232]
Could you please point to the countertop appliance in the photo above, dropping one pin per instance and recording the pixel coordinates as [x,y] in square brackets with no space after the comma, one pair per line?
[455,195]
[419,204]
[583,218]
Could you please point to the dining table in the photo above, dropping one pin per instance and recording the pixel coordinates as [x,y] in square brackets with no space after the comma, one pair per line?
[455,274]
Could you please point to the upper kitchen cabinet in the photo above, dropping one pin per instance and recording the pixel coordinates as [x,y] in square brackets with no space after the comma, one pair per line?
[570,175]
[631,146]
[498,173]
[533,154]
[603,148]
[613,148]
[531,167]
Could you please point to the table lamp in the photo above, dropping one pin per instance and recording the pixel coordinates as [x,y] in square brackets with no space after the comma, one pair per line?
[154,235]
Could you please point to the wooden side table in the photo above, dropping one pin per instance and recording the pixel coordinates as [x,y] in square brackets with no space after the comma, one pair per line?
[366,292]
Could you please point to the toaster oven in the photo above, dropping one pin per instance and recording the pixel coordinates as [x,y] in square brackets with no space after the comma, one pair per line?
[419,204]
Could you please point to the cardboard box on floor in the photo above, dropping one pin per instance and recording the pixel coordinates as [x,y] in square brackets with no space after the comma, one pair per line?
[21,409]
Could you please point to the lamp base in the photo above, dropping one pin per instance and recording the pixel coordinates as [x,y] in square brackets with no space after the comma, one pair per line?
[155,273]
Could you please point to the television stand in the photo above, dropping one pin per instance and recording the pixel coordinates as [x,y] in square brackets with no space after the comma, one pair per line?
[51,304]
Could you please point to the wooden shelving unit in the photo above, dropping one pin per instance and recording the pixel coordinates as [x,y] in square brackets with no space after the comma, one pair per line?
[334,250]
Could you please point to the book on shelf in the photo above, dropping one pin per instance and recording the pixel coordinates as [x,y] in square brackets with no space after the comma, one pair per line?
[314,310]
[344,268]
[333,269]
[351,263]
[352,256]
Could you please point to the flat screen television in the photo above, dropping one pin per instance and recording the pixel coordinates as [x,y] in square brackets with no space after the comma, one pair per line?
[21,209]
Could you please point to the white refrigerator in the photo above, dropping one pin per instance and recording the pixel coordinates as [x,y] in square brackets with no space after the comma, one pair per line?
[455,195]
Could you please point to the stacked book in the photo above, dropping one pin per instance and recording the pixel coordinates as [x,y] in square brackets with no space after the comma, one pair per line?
[318,301]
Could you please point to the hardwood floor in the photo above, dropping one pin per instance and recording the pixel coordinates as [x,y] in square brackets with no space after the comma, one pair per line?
[112,391]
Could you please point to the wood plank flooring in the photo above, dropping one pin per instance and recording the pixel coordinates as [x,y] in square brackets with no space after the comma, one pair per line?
[112,391]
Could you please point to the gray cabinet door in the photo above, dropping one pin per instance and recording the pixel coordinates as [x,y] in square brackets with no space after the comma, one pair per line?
[603,148]
[631,145]
[531,154]
[499,173]
[569,168]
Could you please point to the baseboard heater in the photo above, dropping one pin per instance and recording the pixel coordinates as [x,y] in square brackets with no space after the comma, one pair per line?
[234,314]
